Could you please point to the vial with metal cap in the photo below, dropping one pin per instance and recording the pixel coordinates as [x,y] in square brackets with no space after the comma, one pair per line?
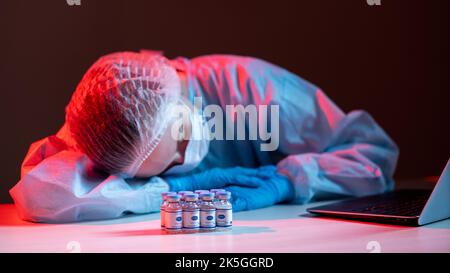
[163,206]
[173,213]
[224,210]
[207,212]
[191,212]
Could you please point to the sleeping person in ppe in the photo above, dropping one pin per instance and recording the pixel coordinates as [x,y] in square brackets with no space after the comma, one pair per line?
[133,129]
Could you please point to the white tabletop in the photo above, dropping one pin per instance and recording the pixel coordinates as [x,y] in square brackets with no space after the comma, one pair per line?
[283,228]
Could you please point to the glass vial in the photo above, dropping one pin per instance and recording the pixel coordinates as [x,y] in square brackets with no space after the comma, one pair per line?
[173,214]
[207,212]
[191,212]
[163,207]
[224,210]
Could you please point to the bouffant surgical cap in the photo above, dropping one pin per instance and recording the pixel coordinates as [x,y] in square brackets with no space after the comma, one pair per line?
[121,108]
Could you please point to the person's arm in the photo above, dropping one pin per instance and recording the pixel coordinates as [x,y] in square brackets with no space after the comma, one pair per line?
[350,154]
[58,184]
[323,151]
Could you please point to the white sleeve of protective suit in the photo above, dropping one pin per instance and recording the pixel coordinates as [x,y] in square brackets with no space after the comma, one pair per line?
[58,184]
[356,157]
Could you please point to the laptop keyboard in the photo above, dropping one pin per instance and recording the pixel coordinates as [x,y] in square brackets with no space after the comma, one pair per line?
[408,208]
[397,203]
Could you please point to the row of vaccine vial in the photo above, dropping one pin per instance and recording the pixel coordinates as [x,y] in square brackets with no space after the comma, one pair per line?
[193,211]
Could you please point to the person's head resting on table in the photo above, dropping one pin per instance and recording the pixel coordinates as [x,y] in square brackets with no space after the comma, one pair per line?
[131,118]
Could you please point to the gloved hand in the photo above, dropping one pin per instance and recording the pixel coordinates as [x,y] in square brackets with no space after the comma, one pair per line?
[217,178]
[275,188]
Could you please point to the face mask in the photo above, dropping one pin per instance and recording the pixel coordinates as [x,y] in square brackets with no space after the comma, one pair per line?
[197,147]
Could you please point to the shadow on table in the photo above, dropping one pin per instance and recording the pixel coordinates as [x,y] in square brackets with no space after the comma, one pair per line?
[158,232]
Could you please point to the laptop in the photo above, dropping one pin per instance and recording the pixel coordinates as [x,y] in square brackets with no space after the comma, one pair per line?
[401,207]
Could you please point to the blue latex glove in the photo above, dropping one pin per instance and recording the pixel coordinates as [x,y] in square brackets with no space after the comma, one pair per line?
[217,178]
[276,188]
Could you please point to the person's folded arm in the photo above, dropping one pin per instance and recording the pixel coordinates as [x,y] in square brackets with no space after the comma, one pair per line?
[359,160]
[330,153]
[59,185]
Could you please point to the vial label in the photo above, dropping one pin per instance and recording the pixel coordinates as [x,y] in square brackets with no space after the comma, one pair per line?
[224,217]
[208,218]
[191,218]
[173,219]
[163,217]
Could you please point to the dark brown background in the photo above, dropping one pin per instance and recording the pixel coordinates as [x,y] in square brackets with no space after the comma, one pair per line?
[392,60]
